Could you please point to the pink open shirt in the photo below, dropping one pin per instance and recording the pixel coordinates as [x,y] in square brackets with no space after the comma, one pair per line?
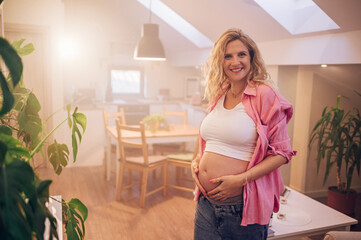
[271,113]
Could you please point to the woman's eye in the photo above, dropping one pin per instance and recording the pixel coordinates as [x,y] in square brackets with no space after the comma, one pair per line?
[227,56]
[242,54]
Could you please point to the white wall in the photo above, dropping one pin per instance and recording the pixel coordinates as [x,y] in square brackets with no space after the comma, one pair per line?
[340,48]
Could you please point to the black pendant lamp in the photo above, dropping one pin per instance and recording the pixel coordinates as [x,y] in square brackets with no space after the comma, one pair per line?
[149,46]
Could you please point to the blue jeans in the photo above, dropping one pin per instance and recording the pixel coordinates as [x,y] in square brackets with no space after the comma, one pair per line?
[220,222]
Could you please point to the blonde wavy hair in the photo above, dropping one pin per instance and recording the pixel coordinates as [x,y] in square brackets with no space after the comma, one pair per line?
[216,79]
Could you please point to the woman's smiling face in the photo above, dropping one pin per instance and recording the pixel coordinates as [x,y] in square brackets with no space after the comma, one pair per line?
[237,61]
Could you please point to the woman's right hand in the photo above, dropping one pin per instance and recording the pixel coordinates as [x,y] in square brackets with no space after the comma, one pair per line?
[195,170]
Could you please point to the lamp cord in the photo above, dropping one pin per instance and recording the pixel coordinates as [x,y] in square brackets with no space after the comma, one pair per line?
[150,11]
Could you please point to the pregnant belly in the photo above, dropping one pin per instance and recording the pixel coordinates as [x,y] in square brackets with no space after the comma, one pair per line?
[213,165]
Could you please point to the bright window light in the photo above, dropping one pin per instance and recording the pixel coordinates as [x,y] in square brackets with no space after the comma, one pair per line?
[298,16]
[324,65]
[68,48]
[178,23]
[125,81]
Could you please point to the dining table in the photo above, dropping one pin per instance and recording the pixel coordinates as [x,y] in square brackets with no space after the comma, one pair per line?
[175,133]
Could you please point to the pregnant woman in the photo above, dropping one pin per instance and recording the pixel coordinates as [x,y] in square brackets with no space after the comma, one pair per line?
[243,142]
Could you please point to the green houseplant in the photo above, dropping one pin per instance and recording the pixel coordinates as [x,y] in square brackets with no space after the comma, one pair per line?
[155,122]
[337,135]
[23,195]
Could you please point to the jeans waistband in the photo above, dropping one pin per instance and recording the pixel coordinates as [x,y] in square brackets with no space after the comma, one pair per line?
[229,201]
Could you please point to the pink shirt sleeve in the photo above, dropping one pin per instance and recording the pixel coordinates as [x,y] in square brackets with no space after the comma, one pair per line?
[276,113]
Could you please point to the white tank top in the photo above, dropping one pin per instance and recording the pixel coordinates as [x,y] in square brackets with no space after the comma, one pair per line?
[229,132]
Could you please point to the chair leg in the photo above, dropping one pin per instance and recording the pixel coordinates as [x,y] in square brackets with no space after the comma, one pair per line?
[105,164]
[117,166]
[165,179]
[143,187]
[120,182]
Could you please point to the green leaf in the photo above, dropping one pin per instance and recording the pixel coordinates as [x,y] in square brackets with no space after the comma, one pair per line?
[81,120]
[43,189]
[68,108]
[11,60]
[15,67]
[17,178]
[23,51]
[5,130]
[75,203]
[74,207]
[78,119]
[58,155]
[8,98]
[14,148]
[30,122]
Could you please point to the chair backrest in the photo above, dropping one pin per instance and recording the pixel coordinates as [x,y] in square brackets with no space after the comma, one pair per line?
[113,116]
[183,114]
[123,143]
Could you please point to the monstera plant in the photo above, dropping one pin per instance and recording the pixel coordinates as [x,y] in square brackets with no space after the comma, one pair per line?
[23,195]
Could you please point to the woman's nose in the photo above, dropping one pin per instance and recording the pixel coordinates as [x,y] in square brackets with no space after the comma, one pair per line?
[235,60]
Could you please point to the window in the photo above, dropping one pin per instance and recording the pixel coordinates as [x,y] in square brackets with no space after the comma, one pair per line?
[126,82]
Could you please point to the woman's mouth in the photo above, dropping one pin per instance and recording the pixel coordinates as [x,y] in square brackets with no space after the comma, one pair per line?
[236,70]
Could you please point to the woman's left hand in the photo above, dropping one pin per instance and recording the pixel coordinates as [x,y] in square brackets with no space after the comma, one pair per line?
[230,186]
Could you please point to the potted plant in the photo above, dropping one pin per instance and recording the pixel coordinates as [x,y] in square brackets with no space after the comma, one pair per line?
[155,122]
[337,136]
[23,195]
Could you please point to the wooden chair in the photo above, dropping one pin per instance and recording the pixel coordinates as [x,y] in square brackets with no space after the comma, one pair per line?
[143,164]
[111,117]
[182,160]
[164,148]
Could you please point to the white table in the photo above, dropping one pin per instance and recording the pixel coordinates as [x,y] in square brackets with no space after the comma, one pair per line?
[305,216]
[176,133]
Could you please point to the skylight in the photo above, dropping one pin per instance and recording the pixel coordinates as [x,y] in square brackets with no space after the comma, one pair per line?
[298,16]
[178,23]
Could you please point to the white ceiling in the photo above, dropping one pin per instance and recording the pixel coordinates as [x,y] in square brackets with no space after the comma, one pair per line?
[213,17]
[119,22]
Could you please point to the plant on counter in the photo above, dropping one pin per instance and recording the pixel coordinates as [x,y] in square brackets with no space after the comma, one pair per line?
[338,135]
[23,195]
[156,122]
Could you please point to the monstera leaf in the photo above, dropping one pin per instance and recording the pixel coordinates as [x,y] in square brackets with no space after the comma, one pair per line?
[58,156]
[78,119]
[15,66]
[23,51]
[30,122]
[75,212]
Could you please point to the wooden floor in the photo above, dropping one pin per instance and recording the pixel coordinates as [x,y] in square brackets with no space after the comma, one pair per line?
[169,217]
